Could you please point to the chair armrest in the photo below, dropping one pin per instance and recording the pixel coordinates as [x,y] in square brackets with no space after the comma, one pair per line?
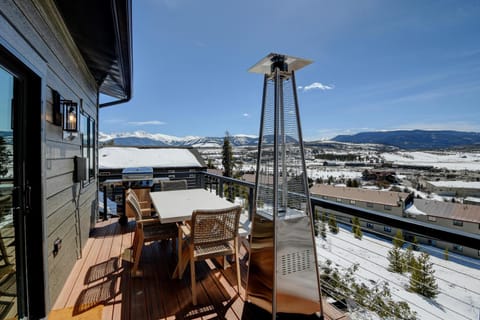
[185,229]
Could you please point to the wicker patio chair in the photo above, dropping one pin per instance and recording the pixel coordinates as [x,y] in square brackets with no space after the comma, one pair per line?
[170,185]
[147,230]
[145,206]
[212,233]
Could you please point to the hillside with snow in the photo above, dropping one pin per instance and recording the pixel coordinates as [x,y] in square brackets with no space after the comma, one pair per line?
[459,284]
[448,160]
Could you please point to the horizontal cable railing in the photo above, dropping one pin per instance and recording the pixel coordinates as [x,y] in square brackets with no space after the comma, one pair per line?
[370,289]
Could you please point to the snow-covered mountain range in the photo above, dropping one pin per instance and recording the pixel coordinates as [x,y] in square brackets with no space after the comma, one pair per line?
[401,139]
[140,138]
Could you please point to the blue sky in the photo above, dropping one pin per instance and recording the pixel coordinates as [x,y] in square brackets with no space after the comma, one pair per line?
[378,65]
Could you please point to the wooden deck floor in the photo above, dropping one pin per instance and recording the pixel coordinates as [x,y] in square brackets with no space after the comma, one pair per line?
[102,278]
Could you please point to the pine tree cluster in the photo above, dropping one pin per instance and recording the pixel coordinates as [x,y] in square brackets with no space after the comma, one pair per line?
[422,278]
[376,298]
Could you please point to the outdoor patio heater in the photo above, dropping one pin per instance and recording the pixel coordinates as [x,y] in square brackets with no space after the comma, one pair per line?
[283,275]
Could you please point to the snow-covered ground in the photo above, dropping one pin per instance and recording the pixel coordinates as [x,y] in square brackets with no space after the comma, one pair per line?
[459,285]
[448,160]
[336,173]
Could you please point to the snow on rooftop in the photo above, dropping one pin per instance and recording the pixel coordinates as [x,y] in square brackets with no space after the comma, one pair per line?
[472,199]
[456,184]
[414,210]
[119,158]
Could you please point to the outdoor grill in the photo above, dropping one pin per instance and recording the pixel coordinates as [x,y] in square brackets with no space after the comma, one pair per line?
[137,177]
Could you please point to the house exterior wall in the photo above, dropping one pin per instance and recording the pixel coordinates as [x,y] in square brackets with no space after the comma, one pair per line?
[453,191]
[34,32]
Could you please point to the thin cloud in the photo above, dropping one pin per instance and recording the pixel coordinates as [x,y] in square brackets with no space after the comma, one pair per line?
[113,120]
[147,123]
[317,86]
[246,115]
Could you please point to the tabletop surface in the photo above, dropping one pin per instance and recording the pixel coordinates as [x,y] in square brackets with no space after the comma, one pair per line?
[178,205]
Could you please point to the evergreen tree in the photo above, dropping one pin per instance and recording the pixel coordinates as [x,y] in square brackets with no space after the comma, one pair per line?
[227,156]
[210,164]
[409,259]
[324,217]
[445,254]
[398,240]
[358,233]
[332,224]
[356,228]
[323,230]
[415,243]
[316,228]
[330,180]
[4,157]
[396,262]
[355,183]
[349,183]
[228,164]
[422,280]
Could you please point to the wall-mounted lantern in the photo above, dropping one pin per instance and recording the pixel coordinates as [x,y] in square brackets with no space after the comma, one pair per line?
[70,115]
[65,114]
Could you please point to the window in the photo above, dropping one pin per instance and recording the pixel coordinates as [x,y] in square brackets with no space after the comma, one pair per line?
[87,129]
[387,229]
[369,205]
[387,207]
[458,223]
[457,248]
[339,200]
[352,201]
[369,225]
[430,218]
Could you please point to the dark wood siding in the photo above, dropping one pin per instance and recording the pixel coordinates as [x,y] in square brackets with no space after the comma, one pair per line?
[34,32]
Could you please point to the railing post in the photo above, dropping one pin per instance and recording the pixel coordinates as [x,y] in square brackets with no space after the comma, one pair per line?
[250,203]
[202,181]
[105,203]
[220,188]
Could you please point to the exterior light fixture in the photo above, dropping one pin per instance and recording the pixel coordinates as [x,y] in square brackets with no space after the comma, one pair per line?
[70,116]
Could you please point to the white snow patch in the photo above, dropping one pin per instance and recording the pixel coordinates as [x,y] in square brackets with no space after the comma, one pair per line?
[119,158]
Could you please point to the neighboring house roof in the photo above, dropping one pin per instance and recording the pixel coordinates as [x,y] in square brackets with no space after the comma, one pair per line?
[449,210]
[472,199]
[126,157]
[456,184]
[358,194]
[102,31]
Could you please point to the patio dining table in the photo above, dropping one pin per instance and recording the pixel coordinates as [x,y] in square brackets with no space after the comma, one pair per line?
[178,206]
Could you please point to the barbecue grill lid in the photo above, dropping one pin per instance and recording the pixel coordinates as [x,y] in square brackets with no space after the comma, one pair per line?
[137,170]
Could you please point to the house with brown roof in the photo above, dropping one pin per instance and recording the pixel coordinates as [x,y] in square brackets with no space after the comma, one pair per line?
[378,200]
[454,188]
[389,202]
[460,216]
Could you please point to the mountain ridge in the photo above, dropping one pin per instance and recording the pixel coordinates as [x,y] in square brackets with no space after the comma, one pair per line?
[403,139]
[415,139]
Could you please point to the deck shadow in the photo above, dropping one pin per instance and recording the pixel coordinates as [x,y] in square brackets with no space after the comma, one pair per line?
[102,270]
[96,295]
